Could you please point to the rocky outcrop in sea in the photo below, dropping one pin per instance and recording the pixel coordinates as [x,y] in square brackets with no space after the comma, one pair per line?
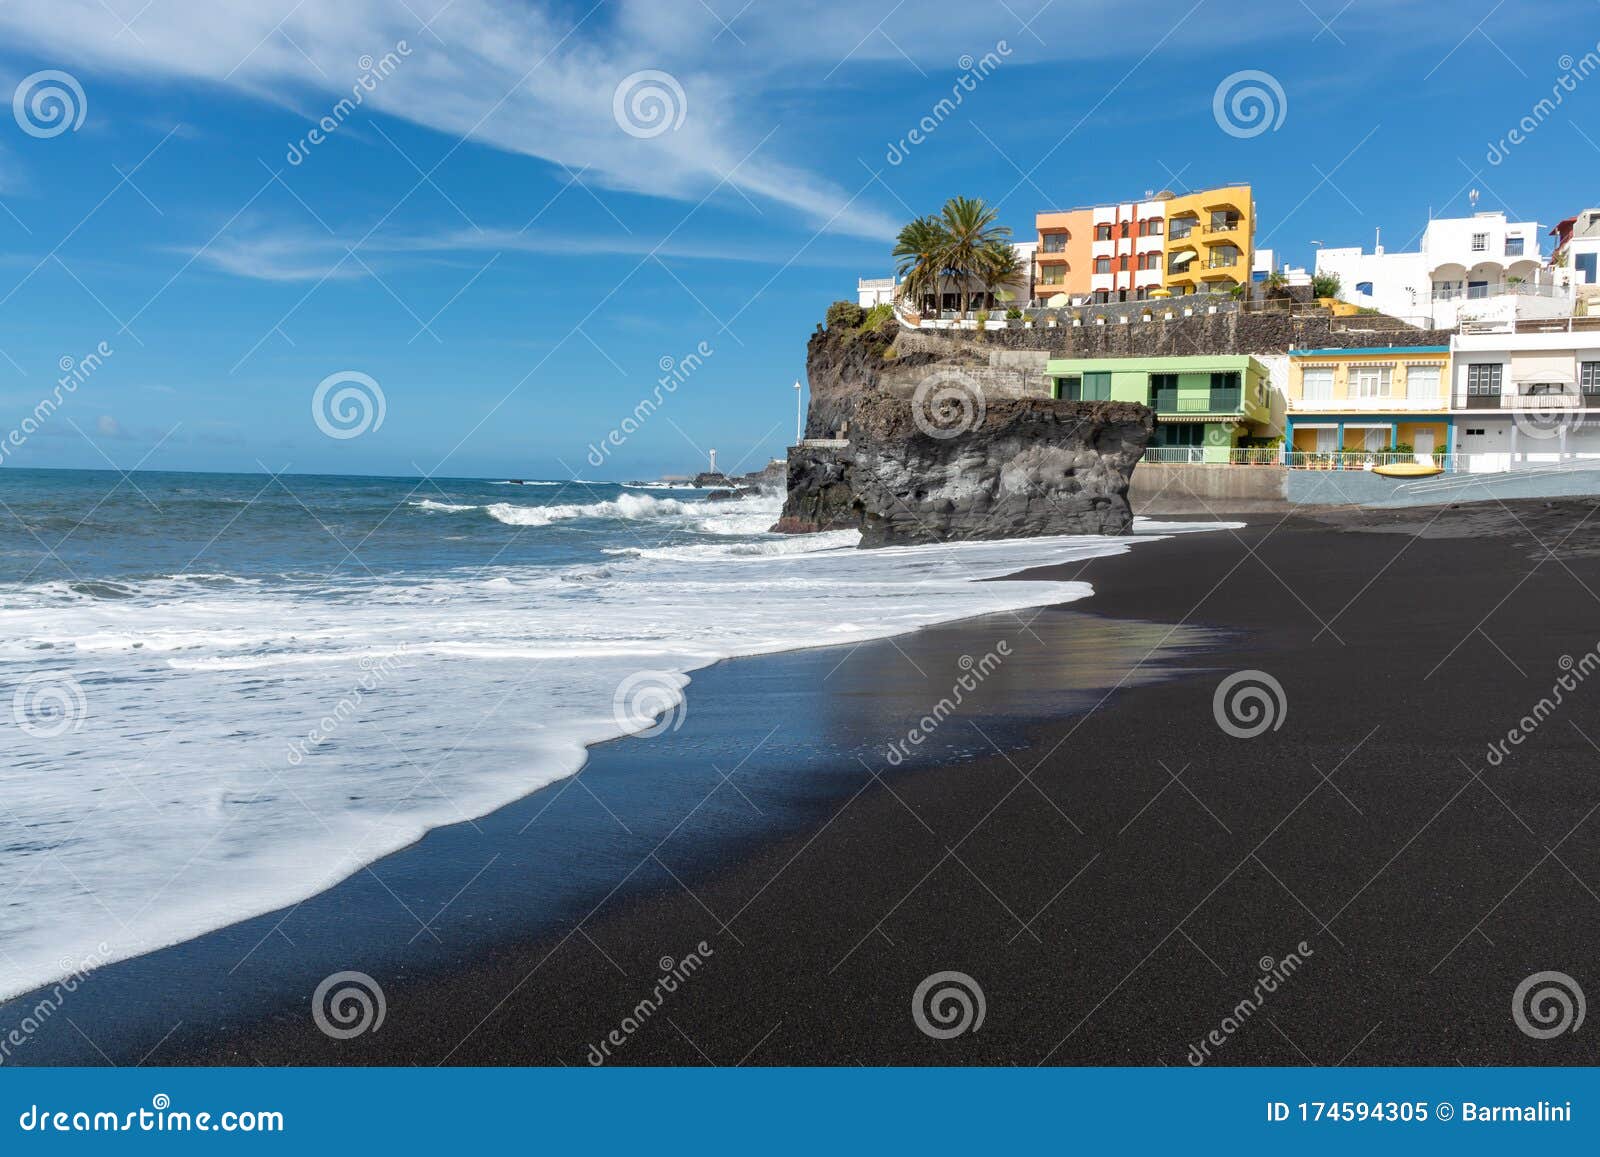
[953,445]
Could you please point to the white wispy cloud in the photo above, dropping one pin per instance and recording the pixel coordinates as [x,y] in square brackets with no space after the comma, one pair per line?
[500,73]
[293,253]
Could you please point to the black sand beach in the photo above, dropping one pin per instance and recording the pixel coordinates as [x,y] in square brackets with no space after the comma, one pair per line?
[1110,867]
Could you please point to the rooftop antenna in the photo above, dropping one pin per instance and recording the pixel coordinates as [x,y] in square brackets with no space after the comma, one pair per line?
[1472,195]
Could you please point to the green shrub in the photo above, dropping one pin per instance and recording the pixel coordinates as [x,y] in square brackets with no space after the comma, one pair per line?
[845,315]
[1013,314]
[877,315]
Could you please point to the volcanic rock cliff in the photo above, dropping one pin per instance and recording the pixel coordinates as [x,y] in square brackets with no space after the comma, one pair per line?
[953,444]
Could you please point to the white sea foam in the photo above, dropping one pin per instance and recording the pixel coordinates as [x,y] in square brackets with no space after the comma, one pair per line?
[448,507]
[187,795]
[632,506]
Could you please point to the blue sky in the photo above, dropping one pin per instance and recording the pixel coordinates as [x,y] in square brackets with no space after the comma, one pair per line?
[484,239]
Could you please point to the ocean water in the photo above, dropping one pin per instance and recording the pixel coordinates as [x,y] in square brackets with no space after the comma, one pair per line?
[225,693]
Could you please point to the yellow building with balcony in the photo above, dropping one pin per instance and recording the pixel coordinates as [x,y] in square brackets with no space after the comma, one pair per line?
[1367,401]
[1165,244]
[1210,240]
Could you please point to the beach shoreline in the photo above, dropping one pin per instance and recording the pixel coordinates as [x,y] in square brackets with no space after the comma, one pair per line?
[1112,872]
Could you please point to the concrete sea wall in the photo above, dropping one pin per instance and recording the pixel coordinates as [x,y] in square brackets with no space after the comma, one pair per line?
[1159,489]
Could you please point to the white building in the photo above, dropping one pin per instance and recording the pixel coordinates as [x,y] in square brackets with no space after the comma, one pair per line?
[1577,254]
[1481,268]
[871,291]
[1521,399]
[1265,263]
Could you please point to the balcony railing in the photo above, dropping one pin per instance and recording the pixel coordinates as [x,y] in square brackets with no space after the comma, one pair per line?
[1224,226]
[1511,400]
[1197,401]
[1355,459]
[1367,404]
[1497,289]
[1222,263]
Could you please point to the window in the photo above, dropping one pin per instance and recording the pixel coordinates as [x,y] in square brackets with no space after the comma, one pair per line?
[1122,263]
[1102,265]
[1102,232]
[1085,388]
[1484,380]
[1055,243]
[1477,290]
[1474,433]
[1584,263]
[1224,257]
[1589,377]
[1514,246]
[1480,242]
[1446,290]
[1422,383]
[1054,275]
[1316,383]
[1364,287]
[1123,232]
[1181,228]
[1101,296]
[1155,224]
[1370,381]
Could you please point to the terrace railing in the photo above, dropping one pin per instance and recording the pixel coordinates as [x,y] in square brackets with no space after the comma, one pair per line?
[1197,401]
[1356,459]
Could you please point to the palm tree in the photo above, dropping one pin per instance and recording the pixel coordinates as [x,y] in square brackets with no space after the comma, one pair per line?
[920,250]
[973,235]
[1000,266]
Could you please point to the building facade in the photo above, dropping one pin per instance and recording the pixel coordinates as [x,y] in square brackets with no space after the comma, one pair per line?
[1526,398]
[1207,404]
[1368,400]
[1478,268]
[1166,245]
[1577,254]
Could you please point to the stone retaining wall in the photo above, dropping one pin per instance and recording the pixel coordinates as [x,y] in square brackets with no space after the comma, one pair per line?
[1229,330]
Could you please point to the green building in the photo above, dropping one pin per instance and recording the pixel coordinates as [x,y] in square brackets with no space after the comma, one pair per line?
[1201,403]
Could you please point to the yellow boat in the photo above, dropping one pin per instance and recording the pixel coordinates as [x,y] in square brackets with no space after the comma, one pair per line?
[1408,470]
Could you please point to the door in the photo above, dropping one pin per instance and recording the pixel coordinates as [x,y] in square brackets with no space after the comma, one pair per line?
[1327,441]
[1424,446]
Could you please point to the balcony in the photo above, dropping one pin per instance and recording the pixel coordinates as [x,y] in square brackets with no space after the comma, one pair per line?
[1197,401]
[1222,262]
[1543,403]
[1228,226]
[1380,404]
[1552,402]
